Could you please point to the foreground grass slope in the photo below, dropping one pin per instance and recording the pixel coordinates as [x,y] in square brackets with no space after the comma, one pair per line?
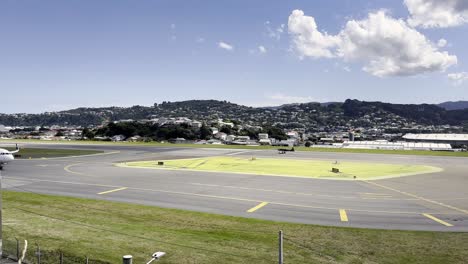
[107,230]
[314,149]
[288,167]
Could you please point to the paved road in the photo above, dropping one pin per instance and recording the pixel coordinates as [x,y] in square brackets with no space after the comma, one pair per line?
[436,201]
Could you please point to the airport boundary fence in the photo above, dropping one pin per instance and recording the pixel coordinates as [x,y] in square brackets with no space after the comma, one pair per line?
[36,254]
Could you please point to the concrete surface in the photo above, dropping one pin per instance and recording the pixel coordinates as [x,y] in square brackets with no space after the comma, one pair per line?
[436,201]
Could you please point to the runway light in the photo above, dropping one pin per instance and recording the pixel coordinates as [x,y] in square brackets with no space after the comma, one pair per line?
[156,256]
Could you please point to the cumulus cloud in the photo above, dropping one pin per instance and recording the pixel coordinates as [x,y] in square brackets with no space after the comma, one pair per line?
[458,78]
[437,13]
[387,46]
[307,39]
[226,46]
[262,49]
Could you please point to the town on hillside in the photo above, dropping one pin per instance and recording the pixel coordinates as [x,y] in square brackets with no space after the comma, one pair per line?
[352,124]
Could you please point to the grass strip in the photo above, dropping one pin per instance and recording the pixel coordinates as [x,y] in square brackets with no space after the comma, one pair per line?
[313,149]
[105,231]
[289,167]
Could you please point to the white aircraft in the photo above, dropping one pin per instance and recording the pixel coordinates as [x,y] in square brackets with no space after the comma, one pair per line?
[7,156]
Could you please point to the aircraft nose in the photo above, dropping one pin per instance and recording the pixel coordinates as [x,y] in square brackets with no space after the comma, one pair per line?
[10,157]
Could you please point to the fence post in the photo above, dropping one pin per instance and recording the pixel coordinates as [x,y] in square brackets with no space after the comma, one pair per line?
[127,259]
[61,257]
[280,248]
[17,249]
[87,260]
[38,254]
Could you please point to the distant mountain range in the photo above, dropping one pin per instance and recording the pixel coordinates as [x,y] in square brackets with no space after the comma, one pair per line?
[305,115]
[458,105]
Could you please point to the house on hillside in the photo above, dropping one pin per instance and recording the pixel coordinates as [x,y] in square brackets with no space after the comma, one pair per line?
[118,138]
[221,136]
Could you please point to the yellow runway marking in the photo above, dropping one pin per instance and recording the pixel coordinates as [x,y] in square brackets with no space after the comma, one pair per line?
[275,191]
[437,220]
[253,209]
[230,198]
[343,215]
[68,167]
[114,190]
[419,197]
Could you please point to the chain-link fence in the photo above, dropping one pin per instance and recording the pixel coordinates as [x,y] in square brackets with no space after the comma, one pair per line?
[37,254]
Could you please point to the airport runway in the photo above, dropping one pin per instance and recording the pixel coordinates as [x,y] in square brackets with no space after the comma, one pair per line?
[436,201]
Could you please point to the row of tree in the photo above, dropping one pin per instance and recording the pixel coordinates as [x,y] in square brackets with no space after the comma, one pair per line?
[166,132]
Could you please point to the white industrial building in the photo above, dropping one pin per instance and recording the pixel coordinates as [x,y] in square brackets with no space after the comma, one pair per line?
[453,139]
[383,144]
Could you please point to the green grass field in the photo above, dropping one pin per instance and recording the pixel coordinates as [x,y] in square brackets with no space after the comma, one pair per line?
[314,149]
[288,167]
[105,231]
[38,153]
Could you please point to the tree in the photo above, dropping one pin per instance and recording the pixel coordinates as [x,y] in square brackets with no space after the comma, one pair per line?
[249,132]
[226,129]
[205,132]
[87,133]
[275,132]
[308,144]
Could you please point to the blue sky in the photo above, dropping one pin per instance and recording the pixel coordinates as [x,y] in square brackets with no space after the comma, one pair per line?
[57,55]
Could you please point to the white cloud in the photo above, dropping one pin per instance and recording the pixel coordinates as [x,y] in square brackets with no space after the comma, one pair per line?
[442,43]
[280,29]
[274,33]
[200,40]
[346,68]
[225,46]
[458,78]
[173,26]
[386,46]
[262,49]
[288,99]
[437,13]
[308,41]
[389,47]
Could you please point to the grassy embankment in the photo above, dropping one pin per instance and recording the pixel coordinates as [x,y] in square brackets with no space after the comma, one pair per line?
[107,230]
[315,149]
[38,153]
[288,167]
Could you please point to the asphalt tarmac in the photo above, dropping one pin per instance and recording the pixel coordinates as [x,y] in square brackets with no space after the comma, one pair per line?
[434,202]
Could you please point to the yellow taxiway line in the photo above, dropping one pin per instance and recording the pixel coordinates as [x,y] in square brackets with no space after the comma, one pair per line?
[343,215]
[419,197]
[260,205]
[437,220]
[114,190]
[68,169]
[229,198]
